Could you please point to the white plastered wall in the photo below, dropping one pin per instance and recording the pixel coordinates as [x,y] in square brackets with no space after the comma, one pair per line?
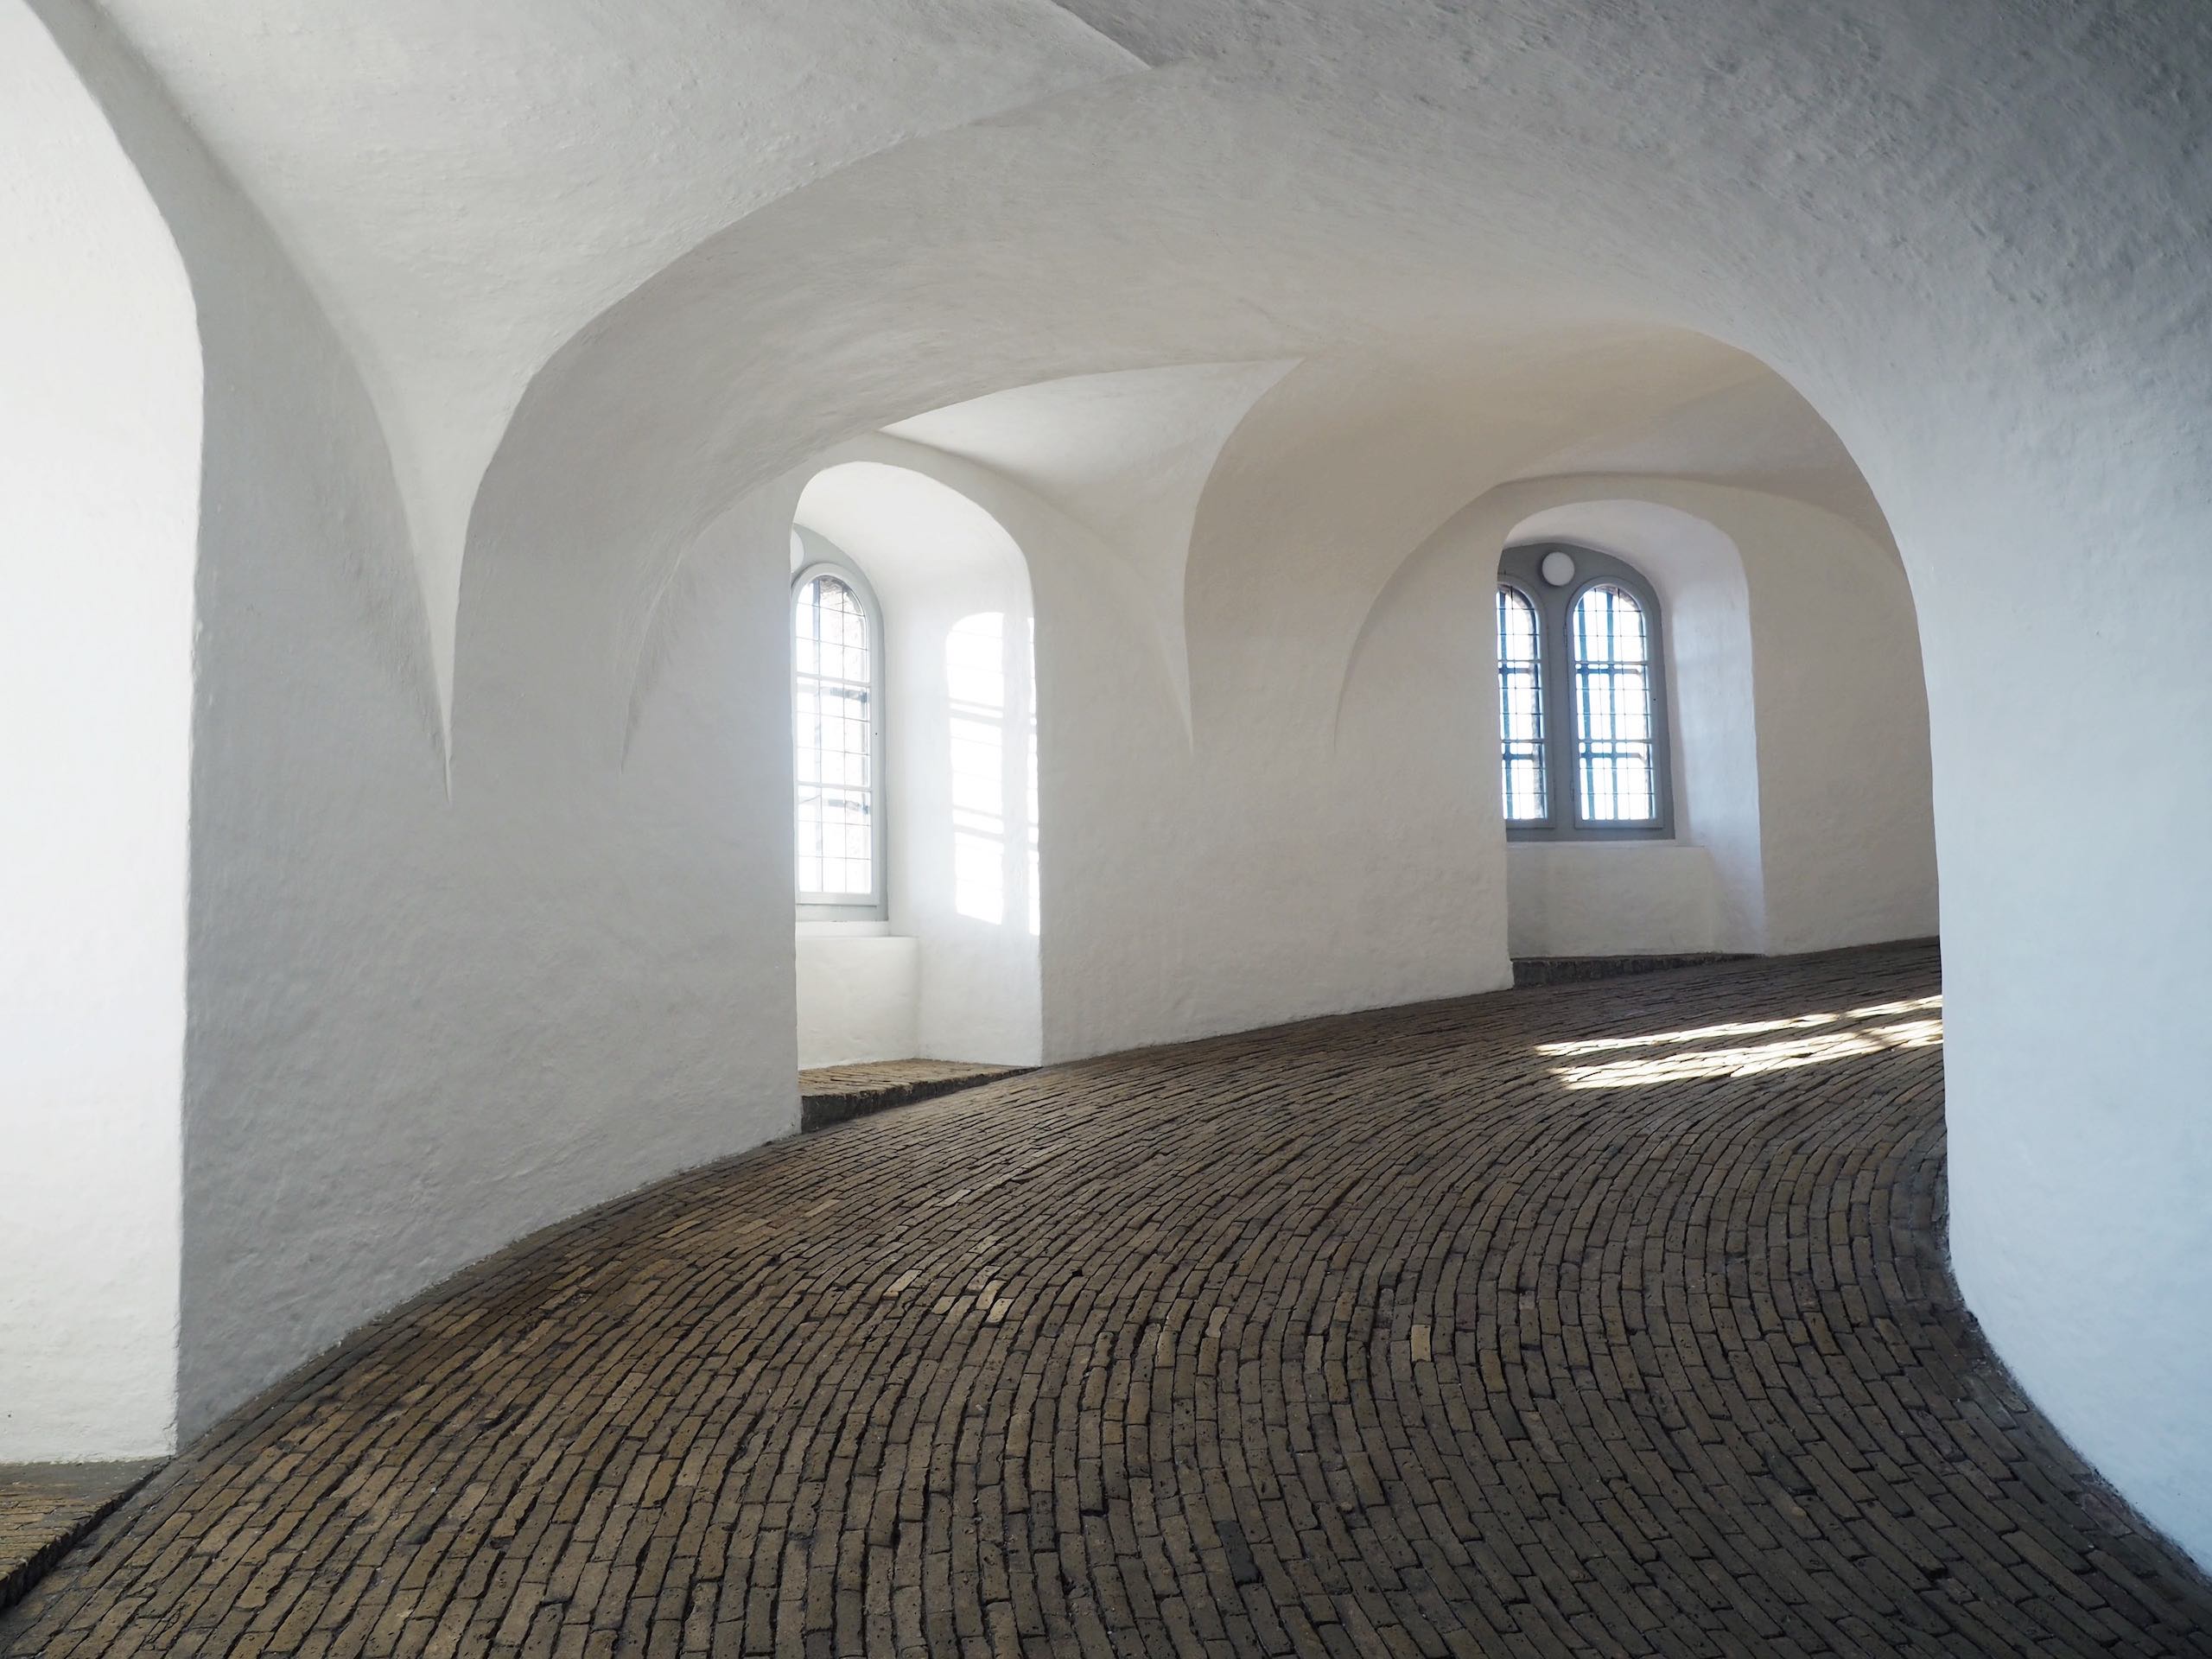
[859,992]
[431,1008]
[99,464]
[571,976]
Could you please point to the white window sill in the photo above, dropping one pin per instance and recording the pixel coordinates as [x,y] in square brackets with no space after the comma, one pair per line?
[852,930]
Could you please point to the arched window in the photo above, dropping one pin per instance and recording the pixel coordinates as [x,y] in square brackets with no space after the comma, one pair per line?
[1521,706]
[1611,654]
[837,732]
[1592,763]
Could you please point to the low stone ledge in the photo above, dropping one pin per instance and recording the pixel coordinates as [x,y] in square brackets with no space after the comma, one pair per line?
[837,1094]
[1567,970]
[46,1507]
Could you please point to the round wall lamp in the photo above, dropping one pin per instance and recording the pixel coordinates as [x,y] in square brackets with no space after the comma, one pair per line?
[1558,568]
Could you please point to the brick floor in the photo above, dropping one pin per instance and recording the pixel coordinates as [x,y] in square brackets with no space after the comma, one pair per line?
[1607,1318]
[46,1507]
[838,1094]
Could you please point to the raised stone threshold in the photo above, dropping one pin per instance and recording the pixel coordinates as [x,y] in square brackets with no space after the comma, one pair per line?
[1571,970]
[1568,971]
[838,1094]
[47,1506]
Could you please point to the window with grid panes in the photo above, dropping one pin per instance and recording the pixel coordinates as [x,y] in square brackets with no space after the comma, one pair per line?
[1521,706]
[1582,709]
[836,743]
[1610,651]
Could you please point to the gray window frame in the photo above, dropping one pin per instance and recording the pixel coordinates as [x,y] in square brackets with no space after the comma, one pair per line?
[1520,569]
[818,558]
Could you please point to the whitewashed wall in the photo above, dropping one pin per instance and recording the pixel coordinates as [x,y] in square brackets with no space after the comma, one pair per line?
[1613,898]
[431,1008]
[859,989]
[99,460]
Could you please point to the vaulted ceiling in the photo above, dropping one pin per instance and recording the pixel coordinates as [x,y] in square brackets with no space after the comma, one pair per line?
[827,214]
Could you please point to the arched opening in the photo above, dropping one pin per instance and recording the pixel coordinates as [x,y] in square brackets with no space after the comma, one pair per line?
[2014,351]
[935,955]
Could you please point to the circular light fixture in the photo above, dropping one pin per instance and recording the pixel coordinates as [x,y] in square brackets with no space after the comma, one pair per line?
[1558,568]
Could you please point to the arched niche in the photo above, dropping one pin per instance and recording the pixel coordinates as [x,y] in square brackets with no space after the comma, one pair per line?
[1796,701]
[1799,713]
[952,973]
[100,428]
[1701,888]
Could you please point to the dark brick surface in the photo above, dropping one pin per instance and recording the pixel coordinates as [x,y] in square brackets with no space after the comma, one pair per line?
[1600,1320]
[1566,971]
[45,1508]
[838,1094]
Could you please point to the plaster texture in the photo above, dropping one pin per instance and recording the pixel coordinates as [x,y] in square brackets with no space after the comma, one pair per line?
[1611,899]
[523,331]
[534,164]
[859,996]
[99,441]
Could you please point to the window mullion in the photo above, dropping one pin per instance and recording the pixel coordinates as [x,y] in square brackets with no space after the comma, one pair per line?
[1562,762]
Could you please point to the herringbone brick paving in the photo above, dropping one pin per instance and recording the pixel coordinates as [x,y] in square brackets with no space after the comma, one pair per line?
[1602,1319]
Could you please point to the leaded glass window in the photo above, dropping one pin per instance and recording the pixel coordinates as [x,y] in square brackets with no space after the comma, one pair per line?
[1610,650]
[1582,697]
[1521,706]
[835,738]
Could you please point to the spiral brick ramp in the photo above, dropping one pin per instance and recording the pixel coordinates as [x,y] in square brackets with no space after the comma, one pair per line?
[1608,1319]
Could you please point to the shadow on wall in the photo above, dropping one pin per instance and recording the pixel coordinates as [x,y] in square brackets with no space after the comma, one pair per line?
[948,968]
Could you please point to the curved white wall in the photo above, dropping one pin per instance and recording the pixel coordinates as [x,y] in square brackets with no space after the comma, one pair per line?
[99,449]
[430,1008]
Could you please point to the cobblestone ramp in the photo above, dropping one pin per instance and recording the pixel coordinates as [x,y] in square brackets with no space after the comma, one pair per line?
[1597,1320]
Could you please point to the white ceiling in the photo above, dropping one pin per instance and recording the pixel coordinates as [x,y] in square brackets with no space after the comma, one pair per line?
[747,231]
[1127,454]
[466,185]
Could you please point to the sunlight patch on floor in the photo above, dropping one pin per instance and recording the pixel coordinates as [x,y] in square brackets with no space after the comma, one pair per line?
[1815,1040]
